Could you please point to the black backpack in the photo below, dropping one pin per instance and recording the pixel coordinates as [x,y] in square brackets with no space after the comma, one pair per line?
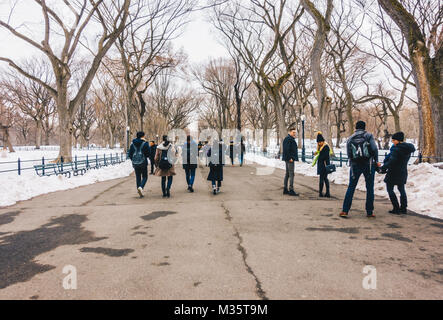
[139,159]
[164,163]
[360,148]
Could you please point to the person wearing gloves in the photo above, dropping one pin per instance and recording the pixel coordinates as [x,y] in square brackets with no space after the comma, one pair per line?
[396,166]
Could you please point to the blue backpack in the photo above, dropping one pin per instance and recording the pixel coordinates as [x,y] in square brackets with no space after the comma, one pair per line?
[139,159]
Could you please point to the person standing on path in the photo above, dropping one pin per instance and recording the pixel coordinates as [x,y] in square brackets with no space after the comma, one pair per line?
[164,161]
[139,153]
[396,165]
[232,152]
[323,160]
[153,148]
[241,154]
[190,161]
[216,154]
[290,155]
[363,154]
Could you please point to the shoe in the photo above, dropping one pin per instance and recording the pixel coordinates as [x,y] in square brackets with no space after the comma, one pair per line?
[403,211]
[191,189]
[285,191]
[343,215]
[164,194]
[395,211]
[370,215]
[168,193]
[214,191]
[293,193]
[218,190]
[140,191]
[327,195]
[321,195]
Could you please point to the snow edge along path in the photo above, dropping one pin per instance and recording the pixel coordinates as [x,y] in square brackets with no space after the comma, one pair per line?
[15,188]
[424,186]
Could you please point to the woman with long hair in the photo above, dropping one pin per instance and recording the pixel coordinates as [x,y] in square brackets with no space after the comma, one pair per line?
[165,157]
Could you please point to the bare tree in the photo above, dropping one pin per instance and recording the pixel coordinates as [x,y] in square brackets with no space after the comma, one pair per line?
[110,16]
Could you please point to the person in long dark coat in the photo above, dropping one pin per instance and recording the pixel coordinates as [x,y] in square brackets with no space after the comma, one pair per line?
[153,151]
[323,160]
[190,161]
[216,154]
[396,165]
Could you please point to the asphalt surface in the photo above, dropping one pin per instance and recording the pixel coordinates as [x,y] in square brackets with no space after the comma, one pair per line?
[248,242]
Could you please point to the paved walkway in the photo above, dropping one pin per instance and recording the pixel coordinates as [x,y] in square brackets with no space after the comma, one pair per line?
[249,242]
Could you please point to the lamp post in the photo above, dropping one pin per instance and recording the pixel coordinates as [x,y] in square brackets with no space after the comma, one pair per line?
[303,150]
[127,138]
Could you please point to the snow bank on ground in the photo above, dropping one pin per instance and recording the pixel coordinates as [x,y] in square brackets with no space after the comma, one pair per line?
[15,188]
[424,187]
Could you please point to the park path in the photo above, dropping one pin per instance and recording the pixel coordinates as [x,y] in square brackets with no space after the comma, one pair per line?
[248,242]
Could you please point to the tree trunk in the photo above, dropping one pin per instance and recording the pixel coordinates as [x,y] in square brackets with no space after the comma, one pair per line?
[38,134]
[66,130]
[396,117]
[6,138]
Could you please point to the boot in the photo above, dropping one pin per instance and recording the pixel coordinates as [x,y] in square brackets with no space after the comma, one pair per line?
[285,191]
[168,193]
[395,211]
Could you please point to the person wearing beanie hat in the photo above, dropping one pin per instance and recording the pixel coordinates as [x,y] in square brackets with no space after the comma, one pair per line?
[322,159]
[396,165]
[363,159]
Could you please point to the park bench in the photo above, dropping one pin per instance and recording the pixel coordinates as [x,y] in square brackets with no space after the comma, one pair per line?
[51,169]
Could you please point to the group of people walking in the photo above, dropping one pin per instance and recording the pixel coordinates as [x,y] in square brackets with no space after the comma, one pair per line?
[363,160]
[163,158]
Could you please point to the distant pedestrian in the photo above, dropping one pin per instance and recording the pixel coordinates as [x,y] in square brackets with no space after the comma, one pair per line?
[232,152]
[290,156]
[322,160]
[205,150]
[164,161]
[190,161]
[363,154]
[396,165]
[216,154]
[241,155]
[139,153]
[153,148]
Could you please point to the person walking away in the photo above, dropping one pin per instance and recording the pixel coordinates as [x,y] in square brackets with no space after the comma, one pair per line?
[396,165]
[164,161]
[242,152]
[190,161]
[363,154]
[139,153]
[231,152]
[290,155]
[216,154]
[322,160]
[153,148]
[205,150]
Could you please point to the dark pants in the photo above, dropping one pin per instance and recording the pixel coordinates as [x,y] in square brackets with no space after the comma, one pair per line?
[324,181]
[190,176]
[240,158]
[368,172]
[289,177]
[216,183]
[141,176]
[393,197]
[151,160]
[164,187]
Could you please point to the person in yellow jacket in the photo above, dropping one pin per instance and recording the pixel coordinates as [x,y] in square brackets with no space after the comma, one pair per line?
[322,159]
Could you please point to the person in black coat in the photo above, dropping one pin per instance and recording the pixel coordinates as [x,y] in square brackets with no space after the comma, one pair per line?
[290,155]
[153,148]
[323,160]
[216,154]
[141,173]
[190,161]
[396,165]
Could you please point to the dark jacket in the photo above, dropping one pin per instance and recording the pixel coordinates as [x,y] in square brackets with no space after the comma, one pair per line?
[290,149]
[216,154]
[152,152]
[136,143]
[370,138]
[396,163]
[323,160]
[190,155]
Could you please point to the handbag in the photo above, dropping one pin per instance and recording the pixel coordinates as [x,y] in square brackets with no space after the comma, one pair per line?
[331,168]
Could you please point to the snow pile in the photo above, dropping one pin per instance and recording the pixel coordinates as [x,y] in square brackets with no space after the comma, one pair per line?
[424,187]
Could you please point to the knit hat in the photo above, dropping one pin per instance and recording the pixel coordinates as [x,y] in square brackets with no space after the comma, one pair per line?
[361,125]
[320,137]
[399,136]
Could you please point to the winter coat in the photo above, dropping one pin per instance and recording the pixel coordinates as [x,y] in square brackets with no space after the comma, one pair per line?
[290,149]
[216,154]
[372,145]
[136,143]
[172,157]
[396,163]
[323,160]
[190,155]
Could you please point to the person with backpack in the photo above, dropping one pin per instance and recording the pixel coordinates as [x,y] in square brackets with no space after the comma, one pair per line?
[396,165]
[164,160]
[290,155]
[216,155]
[139,153]
[363,154]
[322,160]
[190,161]
[153,150]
